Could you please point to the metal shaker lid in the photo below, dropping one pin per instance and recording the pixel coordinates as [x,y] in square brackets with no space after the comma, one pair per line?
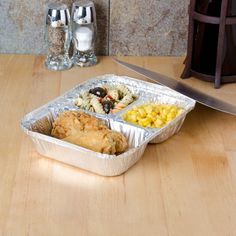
[83,12]
[57,15]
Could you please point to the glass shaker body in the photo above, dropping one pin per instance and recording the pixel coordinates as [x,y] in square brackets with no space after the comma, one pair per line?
[84,33]
[58,37]
[84,41]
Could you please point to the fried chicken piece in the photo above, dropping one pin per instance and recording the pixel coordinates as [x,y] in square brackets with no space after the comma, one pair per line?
[104,141]
[87,131]
[70,122]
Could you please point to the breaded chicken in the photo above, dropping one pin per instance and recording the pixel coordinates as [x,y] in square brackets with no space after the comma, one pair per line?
[70,122]
[87,131]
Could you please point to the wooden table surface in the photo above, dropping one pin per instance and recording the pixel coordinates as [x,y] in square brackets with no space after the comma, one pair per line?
[184,186]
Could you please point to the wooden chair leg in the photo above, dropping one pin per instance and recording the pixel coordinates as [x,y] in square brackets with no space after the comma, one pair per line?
[188,60]
[220,47]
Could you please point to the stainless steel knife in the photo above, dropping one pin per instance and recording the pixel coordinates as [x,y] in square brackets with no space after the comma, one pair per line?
[182,88]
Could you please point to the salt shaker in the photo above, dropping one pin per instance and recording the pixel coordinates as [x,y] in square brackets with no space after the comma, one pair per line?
[58,37]
[84,30]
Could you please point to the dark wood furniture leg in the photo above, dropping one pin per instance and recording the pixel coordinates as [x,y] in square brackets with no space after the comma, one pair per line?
[220,47]
[188,60]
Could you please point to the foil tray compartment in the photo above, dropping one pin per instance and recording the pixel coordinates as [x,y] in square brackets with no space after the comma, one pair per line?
[137,87]
[172,127]
[37,124]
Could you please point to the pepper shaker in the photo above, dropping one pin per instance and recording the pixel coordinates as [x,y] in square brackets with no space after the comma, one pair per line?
[84,30]
[58,37]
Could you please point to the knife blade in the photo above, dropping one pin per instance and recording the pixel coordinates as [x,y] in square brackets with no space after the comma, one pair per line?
[200,97]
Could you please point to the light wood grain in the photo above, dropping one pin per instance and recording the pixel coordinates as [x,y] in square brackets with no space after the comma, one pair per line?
[184,186]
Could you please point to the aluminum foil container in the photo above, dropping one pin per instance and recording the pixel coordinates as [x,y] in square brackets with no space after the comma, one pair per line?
[172,127]
[38,124]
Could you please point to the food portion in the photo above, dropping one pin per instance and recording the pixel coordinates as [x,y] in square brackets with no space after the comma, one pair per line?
[153,115]
[105,99]
[87,131]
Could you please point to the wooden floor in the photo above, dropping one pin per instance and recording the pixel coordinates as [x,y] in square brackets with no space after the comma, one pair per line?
[184,186]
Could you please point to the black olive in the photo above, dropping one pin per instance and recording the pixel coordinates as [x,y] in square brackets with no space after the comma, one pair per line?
[100,92]
[107,106]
